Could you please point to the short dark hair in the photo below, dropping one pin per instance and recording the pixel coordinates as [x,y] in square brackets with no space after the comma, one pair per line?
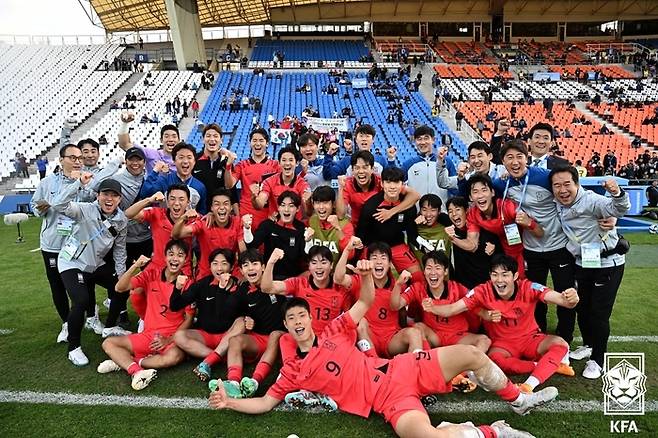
[250,255]
[579,162]
[382,247]
[94,144]
[439,257]
[260,131]
[221,192]
[179,243]
[323,194]
[181,187]
[304,138]
[62,150]
[295,302]
[424,130]
[479,178]
[392,174]
[516,145]
[227,253]
[366,156]
[563,168]
[432,200]
[504,261]
[541,126]
[294,197]
[457,201]
[289,150]
[169,128]
[480,146]
[365,129]
[212,127]
[322,251]
[180,146]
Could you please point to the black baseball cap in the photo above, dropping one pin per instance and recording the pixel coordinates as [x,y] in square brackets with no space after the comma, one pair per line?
[135,151]
[110,185]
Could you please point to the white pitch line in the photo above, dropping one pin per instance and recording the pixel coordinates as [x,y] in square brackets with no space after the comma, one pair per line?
[35,249]
[6,331]
[63,398]
[615,339]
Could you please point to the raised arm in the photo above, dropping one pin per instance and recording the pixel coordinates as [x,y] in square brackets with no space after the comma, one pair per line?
[123,285]
[569,298]
[397,302]
[367,292]
[267,282]
[340,271]
[124,137]
[62,203]
[135,210]
[181,230]
[341,205]
[445,310]
[529,223]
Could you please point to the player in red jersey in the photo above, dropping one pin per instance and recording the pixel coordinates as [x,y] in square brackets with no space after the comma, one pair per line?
[354,191]
[435,291]
[218,229]
[383,323]
[266,194]
[251,171]
[330,363]
[498,216]
[140,354]
[517,345]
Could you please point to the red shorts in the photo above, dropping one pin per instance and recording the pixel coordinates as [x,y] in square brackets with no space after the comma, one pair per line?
[140,343]
[403,257]
[410,376]
[261,342]
[449,338]
[211,340]
[525,349]
[380,341]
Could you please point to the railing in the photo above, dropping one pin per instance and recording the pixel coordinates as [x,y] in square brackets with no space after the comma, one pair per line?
[53,40]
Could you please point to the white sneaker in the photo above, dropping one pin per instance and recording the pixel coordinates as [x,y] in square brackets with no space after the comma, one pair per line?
[140,326]
[106,303]
[527,402]
[114,331]
[108,366]
[63,335]
[94,324]
[78,358]
[592,370]
[580,353]
[141,379]
[504,430]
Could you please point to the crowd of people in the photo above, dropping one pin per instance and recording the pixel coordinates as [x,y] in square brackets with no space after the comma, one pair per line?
[373,294]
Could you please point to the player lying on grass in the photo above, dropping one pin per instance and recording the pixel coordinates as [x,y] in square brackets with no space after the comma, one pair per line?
[517,345]
[141,353]
[434,291]
[330,363]
[383,323]
[217,313]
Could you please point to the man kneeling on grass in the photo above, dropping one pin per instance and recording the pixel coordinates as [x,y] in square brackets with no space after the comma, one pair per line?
[139,354]
[330,363]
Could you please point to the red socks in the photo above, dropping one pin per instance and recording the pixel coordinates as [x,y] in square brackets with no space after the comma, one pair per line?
[134,368]
[138,302]
[513,365]
[510,392]
[234,373]
[549,362]
[261,371]
[213,358]
[488,431]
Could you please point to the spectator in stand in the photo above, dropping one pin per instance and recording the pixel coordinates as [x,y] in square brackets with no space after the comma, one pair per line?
[609,163]
[195,108]
[604,130]
[42,163]
[23,166]
[582,171]
[459,117]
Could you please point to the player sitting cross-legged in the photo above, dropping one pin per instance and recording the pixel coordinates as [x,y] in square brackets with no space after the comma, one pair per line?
[330,363]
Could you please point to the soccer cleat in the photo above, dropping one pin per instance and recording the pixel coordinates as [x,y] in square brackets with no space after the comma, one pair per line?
[94,324]
[461,383]
[114,331]
[307,399]
[429,400]
[580,353]
[63,335]
[202,371]
[213,385]
[248,387]
[142,378]
[504,430]
[140,325]
[108,366]
[592,370]
[565,369]
[527,402]
[524,388]
[232,388]
[78,358]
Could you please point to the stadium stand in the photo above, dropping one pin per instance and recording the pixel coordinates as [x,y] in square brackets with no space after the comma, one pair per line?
[301,50]
[391,47]
[41,86]
[628,89]
[471,71]
[464,53]
[609,71]
[641,122]
[473,89]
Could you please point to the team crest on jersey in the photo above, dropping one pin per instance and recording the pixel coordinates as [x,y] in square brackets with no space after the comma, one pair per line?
[329,345]
[537,287]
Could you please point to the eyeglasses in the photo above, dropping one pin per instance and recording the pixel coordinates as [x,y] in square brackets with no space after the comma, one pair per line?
[74,158]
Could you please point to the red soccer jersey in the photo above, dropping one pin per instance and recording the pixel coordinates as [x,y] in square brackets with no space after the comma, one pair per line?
[326,304]
[418,291]
[518,313]
[274,186]
[383,322]
[335,367]
[161,226]
[249,172]
[215,237]
[158,292]
[505,213]
[355,197]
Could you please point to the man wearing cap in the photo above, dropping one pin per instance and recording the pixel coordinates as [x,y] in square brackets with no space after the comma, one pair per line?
[99,226]
[169,137]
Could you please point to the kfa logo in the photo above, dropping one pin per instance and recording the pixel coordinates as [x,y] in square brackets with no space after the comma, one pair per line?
[624,387]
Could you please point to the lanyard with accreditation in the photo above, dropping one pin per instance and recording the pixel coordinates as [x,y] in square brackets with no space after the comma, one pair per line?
[512,233]
[590,253]
[73,248]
